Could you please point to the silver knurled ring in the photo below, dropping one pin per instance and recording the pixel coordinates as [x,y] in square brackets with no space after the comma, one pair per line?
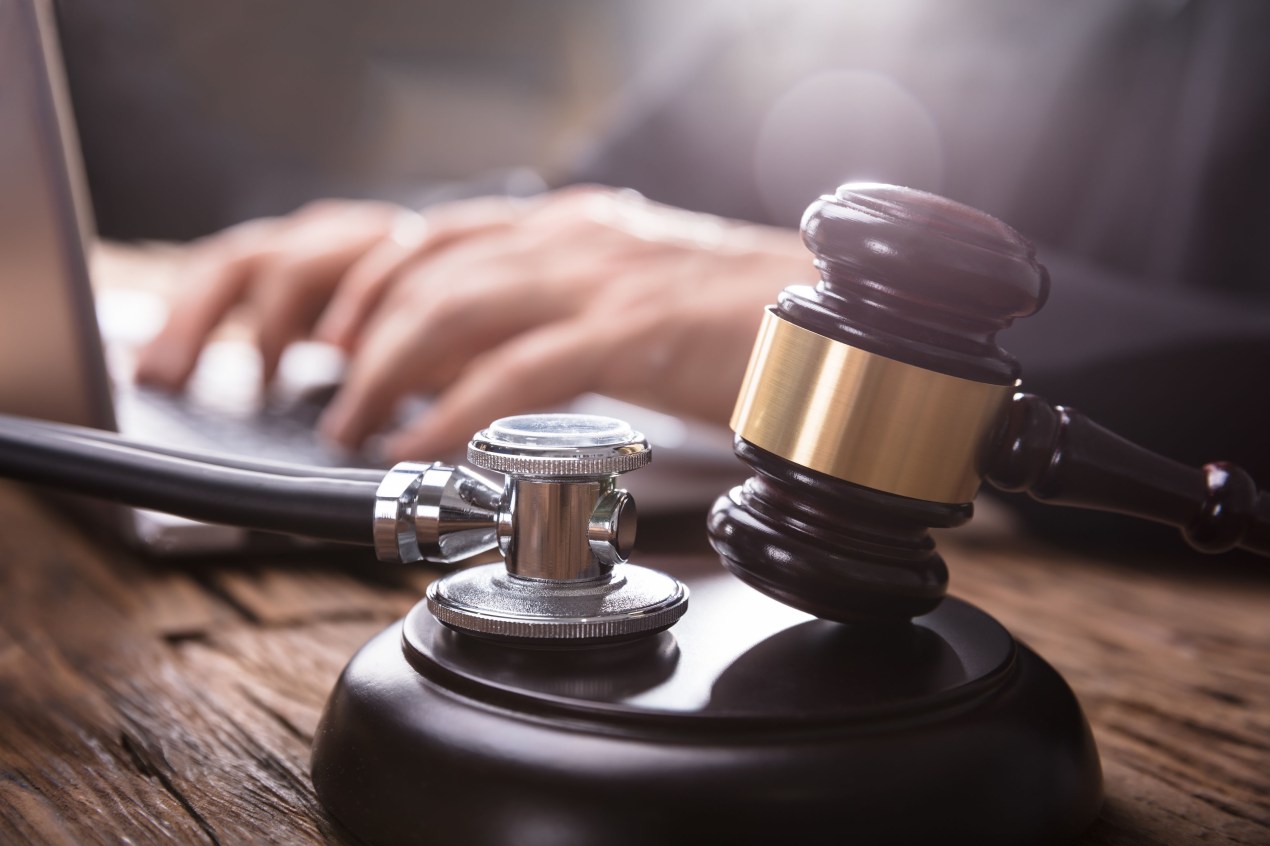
[558,465]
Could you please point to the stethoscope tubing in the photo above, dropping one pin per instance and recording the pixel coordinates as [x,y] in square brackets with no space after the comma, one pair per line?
[333,505]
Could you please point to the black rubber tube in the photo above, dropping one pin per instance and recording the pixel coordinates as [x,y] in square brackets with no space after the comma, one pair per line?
[315,506]
[260,465]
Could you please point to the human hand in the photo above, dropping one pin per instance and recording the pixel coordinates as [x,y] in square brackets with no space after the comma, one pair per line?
[286,269]
[501,306]
[584,290]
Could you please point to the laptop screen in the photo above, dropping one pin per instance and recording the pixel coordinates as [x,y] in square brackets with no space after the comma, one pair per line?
[51,363]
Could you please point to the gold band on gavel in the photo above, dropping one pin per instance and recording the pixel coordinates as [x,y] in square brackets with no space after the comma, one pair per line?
[865,418]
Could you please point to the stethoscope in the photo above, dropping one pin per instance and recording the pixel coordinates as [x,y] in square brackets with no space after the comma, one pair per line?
[560,523]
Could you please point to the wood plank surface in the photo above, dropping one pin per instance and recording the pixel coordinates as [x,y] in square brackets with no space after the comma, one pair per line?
[169,703]
[1170,667]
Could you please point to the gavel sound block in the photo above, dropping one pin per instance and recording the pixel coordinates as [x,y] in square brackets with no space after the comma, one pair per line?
[847,697]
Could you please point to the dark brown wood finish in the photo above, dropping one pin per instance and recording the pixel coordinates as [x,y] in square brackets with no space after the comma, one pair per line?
[917,278]
[1060,456]
[921,279]
[833,549]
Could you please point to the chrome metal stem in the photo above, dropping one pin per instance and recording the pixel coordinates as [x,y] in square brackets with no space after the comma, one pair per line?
[434,512]
[563,526]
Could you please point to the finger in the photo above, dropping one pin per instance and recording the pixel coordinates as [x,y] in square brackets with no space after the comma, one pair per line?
[536,370]
[290,296]
[216,274]
[428,329]
[360,291]
[413,240]
[292,288]
[410,350]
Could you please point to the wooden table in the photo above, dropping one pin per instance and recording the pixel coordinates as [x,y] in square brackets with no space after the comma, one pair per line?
[144,702]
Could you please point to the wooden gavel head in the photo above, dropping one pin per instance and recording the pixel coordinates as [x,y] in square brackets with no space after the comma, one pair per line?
[871,402]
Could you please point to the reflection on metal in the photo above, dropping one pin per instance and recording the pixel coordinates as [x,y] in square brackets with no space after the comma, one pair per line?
[865,418]
[562,525]
[434,512]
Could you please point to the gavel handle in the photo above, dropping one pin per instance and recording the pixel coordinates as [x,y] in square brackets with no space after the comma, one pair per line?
[1060,456]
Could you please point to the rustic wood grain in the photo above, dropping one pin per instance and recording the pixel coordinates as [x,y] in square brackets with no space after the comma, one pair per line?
[1169,663]
[141,703]
[151,703]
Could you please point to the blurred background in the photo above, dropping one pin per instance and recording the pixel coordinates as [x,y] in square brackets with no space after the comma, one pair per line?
[1129,138]
[1127,131]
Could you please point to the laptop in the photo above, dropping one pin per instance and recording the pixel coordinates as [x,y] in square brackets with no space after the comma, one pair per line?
[66,355]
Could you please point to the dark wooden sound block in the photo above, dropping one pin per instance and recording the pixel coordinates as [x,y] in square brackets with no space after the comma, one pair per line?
[748,722]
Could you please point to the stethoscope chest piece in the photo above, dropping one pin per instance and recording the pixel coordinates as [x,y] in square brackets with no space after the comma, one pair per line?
[565,531]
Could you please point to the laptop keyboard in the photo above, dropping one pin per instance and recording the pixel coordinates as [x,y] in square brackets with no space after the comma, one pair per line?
[277,431]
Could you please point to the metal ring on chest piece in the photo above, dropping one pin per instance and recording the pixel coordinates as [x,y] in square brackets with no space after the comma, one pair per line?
[565,531]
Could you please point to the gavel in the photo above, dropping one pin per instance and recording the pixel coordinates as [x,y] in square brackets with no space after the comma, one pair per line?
[877,402]
[874,406]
